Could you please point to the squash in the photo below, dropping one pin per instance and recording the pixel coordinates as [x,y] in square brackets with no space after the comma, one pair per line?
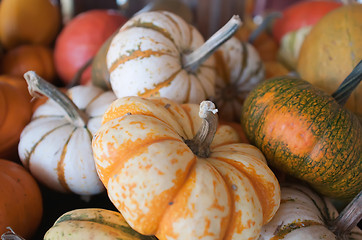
[56,145]
[15,114]
[158,54]
[331,50]
[21,59]
[307,133]
[171,180]
[28,22]
[21,204]
[93,223]
[239,70]
[304,214]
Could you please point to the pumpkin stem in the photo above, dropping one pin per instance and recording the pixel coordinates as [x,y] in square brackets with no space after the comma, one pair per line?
[267,21]
[343,92]
[200,144]
[349,217]
[193,60]
[36,85]
[78,75]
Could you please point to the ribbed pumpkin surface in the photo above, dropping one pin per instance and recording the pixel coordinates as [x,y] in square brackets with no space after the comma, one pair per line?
[92,223]
[306,133]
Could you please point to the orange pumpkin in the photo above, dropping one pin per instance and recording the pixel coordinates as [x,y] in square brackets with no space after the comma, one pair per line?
[15,112]
[170,180]
[24,21]
[21,205]
[21,59]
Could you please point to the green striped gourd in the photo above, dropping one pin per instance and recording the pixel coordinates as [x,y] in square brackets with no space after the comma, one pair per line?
[304,214]
[239,70]
[158,54]
[307,133]
[93,223]
[56,145]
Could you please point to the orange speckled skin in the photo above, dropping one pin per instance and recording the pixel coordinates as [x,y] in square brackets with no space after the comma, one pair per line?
[304,132]
[162,188]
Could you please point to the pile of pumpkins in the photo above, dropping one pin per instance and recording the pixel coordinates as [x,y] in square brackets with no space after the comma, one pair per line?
[235,137]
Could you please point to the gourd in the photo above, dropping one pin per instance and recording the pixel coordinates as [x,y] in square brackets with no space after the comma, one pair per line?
[56,145]
[307,133]
[173,172]
[239,70]
[304,214]
[21,59]
[93,223]
[15,114]
[21,205]
[331,50]
[28,22]
[158,54]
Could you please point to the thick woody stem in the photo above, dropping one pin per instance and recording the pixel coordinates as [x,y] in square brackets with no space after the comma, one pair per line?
[193,60]
[200,144]
[38,85]
[349,218]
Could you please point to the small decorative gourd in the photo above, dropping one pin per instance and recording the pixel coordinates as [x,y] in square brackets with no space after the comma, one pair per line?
[93,223]
[305,132]
[174,173]
[304,214]
[56,145]
[239,70]
[21,204]
[159,54]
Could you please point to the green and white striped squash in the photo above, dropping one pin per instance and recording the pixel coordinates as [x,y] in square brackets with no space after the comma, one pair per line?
[56,145]
[145,59]
[239,70]
[93,223]
[304,214]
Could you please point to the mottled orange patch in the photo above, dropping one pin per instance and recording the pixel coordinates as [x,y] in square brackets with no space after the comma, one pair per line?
[292,129]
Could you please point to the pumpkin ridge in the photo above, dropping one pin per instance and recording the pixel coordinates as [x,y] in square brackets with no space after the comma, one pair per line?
[177,26]
[60,165]
[282,232]
[93,99]
[26,161]
[156,88]
[190,120]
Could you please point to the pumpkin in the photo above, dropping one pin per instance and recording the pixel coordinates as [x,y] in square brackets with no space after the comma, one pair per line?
[306,133]
[239,70]
[28,22]
[15,114]
[171,180]
[21,206]
[158,54]
[304,214]
[81,38]
[331,50]
[93,223]
[56,145]
[38,58]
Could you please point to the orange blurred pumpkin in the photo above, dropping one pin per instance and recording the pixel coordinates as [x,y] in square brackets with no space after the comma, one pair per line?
[21,206]
[35,57]
[15,113]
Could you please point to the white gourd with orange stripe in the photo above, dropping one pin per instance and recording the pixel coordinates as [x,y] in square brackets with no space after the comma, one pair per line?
[170,180]
[239,70]
[56,145]
[147,58]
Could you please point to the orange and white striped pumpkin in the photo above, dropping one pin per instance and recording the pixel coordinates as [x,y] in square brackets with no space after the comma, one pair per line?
[145,58]
[166,184]
[239,70]
[56,145]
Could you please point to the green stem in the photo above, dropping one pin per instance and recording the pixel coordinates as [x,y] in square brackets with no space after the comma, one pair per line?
[193,60]
[349,218]
[267,21]
[346,88]
[38,85]
[200,144]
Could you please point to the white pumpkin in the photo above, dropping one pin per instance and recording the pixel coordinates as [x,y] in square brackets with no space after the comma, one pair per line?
[56,145]
[305,215]
[239,70]
[151,57]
